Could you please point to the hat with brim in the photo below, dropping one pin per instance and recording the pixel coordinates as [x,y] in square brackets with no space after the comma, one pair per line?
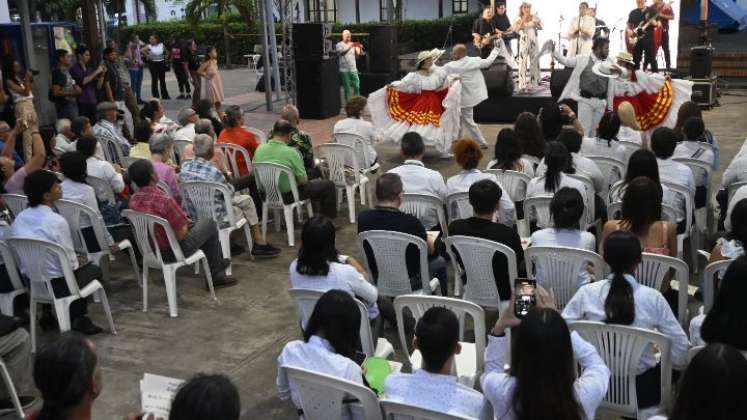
[106,106]
[625,57]
[435,54]
[607,69]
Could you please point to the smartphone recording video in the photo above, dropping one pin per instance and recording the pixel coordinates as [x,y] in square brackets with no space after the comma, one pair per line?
[525,297]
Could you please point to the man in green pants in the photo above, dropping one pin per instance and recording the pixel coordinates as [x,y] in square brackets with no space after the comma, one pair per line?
[347,51]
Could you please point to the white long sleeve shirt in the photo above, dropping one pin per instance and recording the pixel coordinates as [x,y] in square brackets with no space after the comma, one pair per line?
[462,181]
[104,170]
[652,312]
[417,179]
[435,392]
[499,387]
[41,222]
[584,166]
[474,89]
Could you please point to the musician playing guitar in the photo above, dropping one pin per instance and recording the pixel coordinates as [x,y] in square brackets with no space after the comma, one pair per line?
[491,25]
[641,22]
[666,13]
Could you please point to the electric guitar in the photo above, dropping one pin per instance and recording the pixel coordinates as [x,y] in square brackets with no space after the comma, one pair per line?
[633,36]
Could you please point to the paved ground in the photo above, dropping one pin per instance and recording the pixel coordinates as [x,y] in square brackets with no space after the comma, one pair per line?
[242,334]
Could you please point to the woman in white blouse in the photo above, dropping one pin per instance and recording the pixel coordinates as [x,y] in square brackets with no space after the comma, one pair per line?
[606,144]
[328,347]
[732,246]
[630,130]
[620,299]
[508,154]
[468,154]
[354,124]
[542,382]
[155,55]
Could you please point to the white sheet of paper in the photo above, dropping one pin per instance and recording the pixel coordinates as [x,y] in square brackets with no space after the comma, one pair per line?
[156,394]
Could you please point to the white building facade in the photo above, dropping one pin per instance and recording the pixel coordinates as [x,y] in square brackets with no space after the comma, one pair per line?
[359,11]
[165,10]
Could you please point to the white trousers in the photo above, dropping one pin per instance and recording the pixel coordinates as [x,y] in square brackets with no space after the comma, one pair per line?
[467,121]
[590,112]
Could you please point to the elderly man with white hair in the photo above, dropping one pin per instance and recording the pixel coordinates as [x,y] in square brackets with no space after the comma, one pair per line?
[202,169]
[108,126]
[347,50]
[301,141]
[205,126]
[187,118]
[64,138]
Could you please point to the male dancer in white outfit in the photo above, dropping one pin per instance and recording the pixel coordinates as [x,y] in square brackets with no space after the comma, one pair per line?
[474,89]
[585,87]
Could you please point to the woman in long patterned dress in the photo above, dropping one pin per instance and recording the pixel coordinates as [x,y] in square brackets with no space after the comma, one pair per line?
[425,101]
[527,26]
[212,82]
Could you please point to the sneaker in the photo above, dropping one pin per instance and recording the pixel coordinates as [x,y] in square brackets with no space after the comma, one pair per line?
[85,326]
[265,250]
[166,97]
[188,96]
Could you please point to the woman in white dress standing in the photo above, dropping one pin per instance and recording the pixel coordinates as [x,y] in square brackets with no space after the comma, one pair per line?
[527,26]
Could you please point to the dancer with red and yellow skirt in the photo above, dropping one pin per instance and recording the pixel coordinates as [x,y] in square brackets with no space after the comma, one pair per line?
[425,101]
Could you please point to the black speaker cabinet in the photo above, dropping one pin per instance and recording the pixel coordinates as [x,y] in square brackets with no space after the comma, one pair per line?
[318,88]
[383,49]
[309,41]
[498,79]
[558,79]
[704,91]
[371,82]
[701,62]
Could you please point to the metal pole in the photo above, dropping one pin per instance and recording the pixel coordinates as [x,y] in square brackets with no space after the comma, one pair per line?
[28,45]
[270,22]
[266,57]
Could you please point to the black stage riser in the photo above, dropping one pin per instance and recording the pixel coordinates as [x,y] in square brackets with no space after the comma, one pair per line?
[505,109]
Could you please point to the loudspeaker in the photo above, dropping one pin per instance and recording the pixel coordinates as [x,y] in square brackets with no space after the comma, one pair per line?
[558,79]
[704,91]
[498,80]
[318,88]
[701,62]
[309,41]
[383,49]
[371,82]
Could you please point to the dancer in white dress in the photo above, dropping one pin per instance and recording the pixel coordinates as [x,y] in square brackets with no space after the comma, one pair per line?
[425,101]
[527,26]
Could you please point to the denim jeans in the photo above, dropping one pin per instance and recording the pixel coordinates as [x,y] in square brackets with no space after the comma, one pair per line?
[136,80]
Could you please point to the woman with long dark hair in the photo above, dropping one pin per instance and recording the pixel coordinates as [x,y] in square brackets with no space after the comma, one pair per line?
[206,397]
[508,154]
[543,362]
[620,299]
[529,134]
[328,346]
[606,143]
[559,165]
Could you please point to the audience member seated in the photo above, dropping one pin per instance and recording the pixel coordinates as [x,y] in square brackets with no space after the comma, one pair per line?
[5,133]
[663,144]
[630,130]
[433,386]
[108,127]
[691,147]
[205,110]
[544,361]
[153,112]
[69,377]
[732,246]
[529,134]
[301,141]
[643,163]
[566,209]
[204,126]
[606,143]
[276,150]
[328,346]
[11,179]
[141,134]
[727,319]
[387,216]
[235,133]
[620,299]
[709,388]
[109,172]
[187,118]
[571,139]
[202,234]
[81,126]
[64,138]
[161,148]
[692,109]
[40,221]
[553,116]
[508,154]
[206,397]
[468,154]
[202,169]
[485,196]
[355,124]
[416,178]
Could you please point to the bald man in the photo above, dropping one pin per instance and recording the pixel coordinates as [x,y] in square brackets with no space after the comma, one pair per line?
[347,50]
[474,89]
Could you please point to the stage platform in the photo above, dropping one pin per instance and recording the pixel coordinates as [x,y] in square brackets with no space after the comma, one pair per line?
[505,109]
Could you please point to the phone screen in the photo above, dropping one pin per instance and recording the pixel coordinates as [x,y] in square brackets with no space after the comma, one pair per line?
[524,297]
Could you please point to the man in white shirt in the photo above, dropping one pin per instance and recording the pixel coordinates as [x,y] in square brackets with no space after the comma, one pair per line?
[474,89]
[100,168]
[416,178]
[347,51]
[663,143]
[63,141]
[187,118]
[39,221]
[433,386]
[108,127]
[354,124]
[581,32]
[588,89]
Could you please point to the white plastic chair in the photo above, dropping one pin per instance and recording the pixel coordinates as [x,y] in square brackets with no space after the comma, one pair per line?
[538,209]
[32,256]
[469,363]
[422,206]
[614,170]
[514,182]
[713,273]
[703,215]
[654,268]
[630,148]
[360,145]
[395,410]
[178,149]
[7,299]
[614,212]
[731,189]
[389,251]
[11,390]
[689,227]
[561,266]
[344,170]
[458,206]
[112,150]
[232,152]
[78,214]
[305,300]
[267,175]
[103,189]
[535,161]
[145,226]
[259,134]
[205,196]
[322,395]
[476,255]
[621,348]
[16,203]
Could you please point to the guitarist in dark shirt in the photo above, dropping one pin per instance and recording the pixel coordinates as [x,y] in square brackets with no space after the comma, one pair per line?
[638,18]
[482,30]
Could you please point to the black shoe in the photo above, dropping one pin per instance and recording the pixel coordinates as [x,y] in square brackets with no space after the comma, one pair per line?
[188,96]
[140,102]
[237,249]
[224,263]
[85,326]
[265,250]
[181,96]
[26,401]
[166,97]
[220,281]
